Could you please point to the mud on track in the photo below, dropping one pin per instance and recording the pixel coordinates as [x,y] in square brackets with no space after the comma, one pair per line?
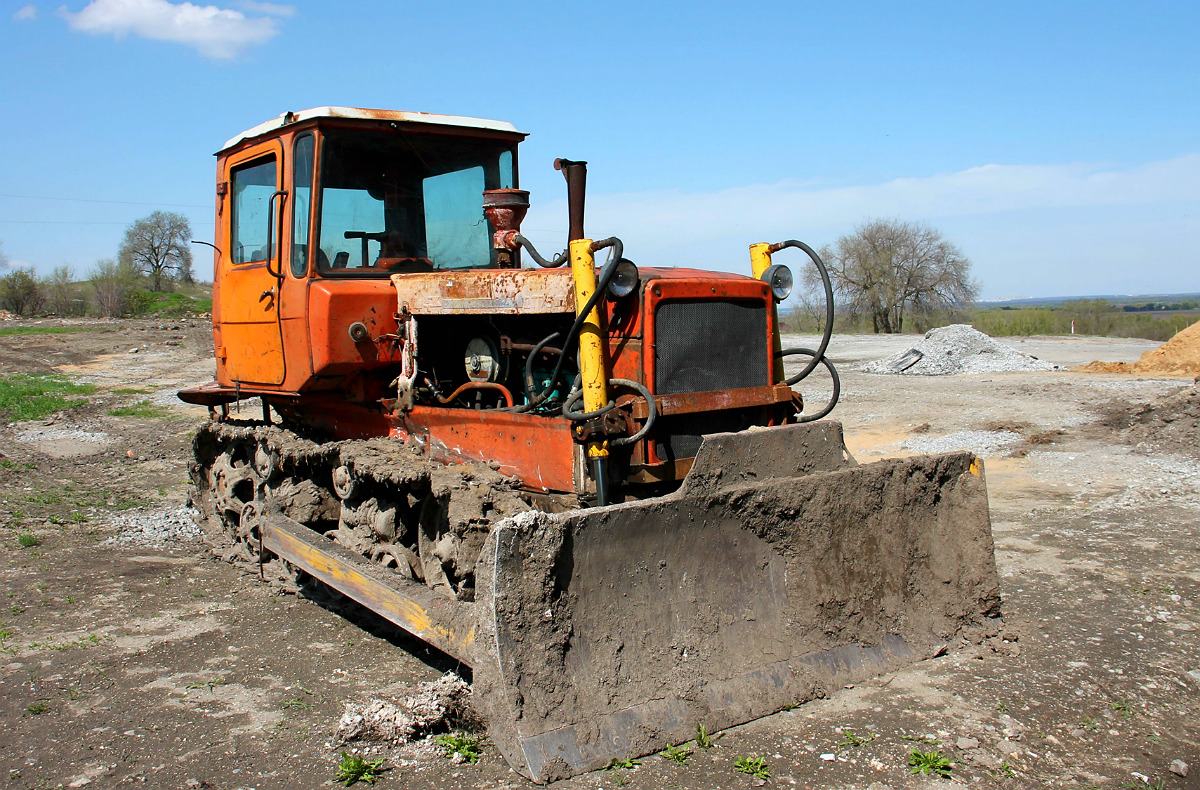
[131,665]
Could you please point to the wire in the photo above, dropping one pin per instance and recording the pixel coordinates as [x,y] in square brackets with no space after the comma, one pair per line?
[95,200]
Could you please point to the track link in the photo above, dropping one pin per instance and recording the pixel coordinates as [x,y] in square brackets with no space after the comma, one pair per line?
[375,497]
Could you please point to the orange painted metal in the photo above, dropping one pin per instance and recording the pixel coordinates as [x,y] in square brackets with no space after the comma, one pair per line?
[538,450]
[486,292]
[333,305]
[246,297]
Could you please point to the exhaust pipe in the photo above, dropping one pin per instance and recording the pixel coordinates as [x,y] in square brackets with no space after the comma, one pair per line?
[576,175]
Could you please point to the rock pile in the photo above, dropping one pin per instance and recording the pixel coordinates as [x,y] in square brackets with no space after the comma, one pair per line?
[436,706]
[155,528]
[1180,354]
[1170,423]
[957,348]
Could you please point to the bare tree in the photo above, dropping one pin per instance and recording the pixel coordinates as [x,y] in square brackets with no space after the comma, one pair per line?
[157,246]
[114,283]
[889,269]
[20,292]
[61,295]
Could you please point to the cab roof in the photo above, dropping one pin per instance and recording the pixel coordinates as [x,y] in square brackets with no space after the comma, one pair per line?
[370,115]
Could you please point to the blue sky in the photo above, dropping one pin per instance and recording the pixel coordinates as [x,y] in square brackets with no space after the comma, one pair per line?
[1057,144]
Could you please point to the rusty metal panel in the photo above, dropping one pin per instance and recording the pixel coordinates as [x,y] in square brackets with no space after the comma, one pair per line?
[485,291]
[704,402]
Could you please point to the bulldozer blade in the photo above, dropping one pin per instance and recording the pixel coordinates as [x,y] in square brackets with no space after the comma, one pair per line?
[779,571]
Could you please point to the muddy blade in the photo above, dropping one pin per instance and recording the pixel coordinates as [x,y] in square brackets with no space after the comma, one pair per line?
[612,632]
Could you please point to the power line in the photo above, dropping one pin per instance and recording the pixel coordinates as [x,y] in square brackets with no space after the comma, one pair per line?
[68,222]
[93,200]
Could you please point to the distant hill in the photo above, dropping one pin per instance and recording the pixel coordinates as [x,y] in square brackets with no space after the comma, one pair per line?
[1117,300]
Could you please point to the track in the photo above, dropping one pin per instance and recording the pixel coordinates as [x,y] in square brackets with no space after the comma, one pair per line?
[375,497]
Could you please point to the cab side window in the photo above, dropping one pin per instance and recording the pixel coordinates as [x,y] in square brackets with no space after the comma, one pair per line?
[302,177]
[252,186]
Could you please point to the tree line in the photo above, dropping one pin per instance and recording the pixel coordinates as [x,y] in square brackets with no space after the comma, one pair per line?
[154,258]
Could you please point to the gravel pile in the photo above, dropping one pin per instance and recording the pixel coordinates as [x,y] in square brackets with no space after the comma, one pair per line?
[436,706]
[958,348]
[978,442]
[155,528]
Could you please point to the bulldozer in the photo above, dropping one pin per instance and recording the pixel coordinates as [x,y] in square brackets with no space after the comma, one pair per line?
[588,481]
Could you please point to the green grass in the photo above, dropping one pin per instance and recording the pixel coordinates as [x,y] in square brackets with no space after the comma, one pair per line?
[130,391]
[143,409]
[45,330]
[676,754]
[467,746]
[25,397]
[28,540]
[755,766]
[927,763]
[704,740]
[353,769]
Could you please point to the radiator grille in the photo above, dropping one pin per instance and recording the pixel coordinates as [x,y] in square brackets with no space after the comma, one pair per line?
[701,346]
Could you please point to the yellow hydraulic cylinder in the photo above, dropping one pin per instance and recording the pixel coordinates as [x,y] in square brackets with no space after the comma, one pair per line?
[591,339]
[760,261]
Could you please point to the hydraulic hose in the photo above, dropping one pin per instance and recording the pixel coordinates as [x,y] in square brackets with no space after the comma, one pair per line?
[833,374]
[606,275]
[652,410]
[553,263]
[818,356]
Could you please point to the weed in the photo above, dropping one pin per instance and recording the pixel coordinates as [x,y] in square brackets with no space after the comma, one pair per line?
[1090,723]
[921,739]
[676,754]
[39,707]
[1122,707]
[466,746]
[851,739]
[297,704]
[1006,771]
[1001,707]
[5,635]
[626,762]
[25,397]
[70,599]
[354,768]
[704,740]
[755,766]
[1139,590]
[143,409]
[28,540]
[209,684]
[42,330]
[17,608]
[927,763]
[1157,785]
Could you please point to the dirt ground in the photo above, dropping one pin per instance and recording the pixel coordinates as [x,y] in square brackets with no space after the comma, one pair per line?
[134,665]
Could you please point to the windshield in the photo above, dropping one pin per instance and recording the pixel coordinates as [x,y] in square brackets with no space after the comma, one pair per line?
[404,203]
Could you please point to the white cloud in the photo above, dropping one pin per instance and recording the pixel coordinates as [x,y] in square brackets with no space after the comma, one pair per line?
[1079,227]
[274,9]
[26,13]
[219,33]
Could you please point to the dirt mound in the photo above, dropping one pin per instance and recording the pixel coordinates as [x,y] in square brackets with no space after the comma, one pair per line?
[957,348]
[1180,354]
[1171,423]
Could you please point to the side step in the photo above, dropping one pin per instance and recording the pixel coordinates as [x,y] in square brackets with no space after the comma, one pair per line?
[447,624]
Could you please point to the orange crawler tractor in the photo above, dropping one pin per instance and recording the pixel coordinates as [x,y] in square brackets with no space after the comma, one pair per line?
[594,486]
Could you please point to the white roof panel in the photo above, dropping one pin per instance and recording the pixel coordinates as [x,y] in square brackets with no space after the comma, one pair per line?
[374,115]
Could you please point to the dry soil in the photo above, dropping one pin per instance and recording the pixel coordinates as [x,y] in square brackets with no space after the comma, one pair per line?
[129,665]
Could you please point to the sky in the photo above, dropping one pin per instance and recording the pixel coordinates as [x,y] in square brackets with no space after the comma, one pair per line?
[1057,144]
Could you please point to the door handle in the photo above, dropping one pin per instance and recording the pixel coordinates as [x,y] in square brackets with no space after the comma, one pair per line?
[267,294]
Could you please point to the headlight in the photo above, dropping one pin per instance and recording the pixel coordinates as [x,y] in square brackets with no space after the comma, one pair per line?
[779,279]
[624,280]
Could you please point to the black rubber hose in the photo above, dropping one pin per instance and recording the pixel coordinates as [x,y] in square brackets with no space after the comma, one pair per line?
[568,408]
[833,374]
[819,354]
[651,415]
[553,263]
[606,275]
[529,363]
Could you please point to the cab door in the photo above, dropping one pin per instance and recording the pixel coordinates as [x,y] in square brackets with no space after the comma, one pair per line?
[249,273]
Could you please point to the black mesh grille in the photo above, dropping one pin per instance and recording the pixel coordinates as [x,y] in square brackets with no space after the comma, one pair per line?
[700,346]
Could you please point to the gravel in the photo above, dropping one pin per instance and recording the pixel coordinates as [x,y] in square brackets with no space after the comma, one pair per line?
[979,442]
[958,348]
[157,528]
